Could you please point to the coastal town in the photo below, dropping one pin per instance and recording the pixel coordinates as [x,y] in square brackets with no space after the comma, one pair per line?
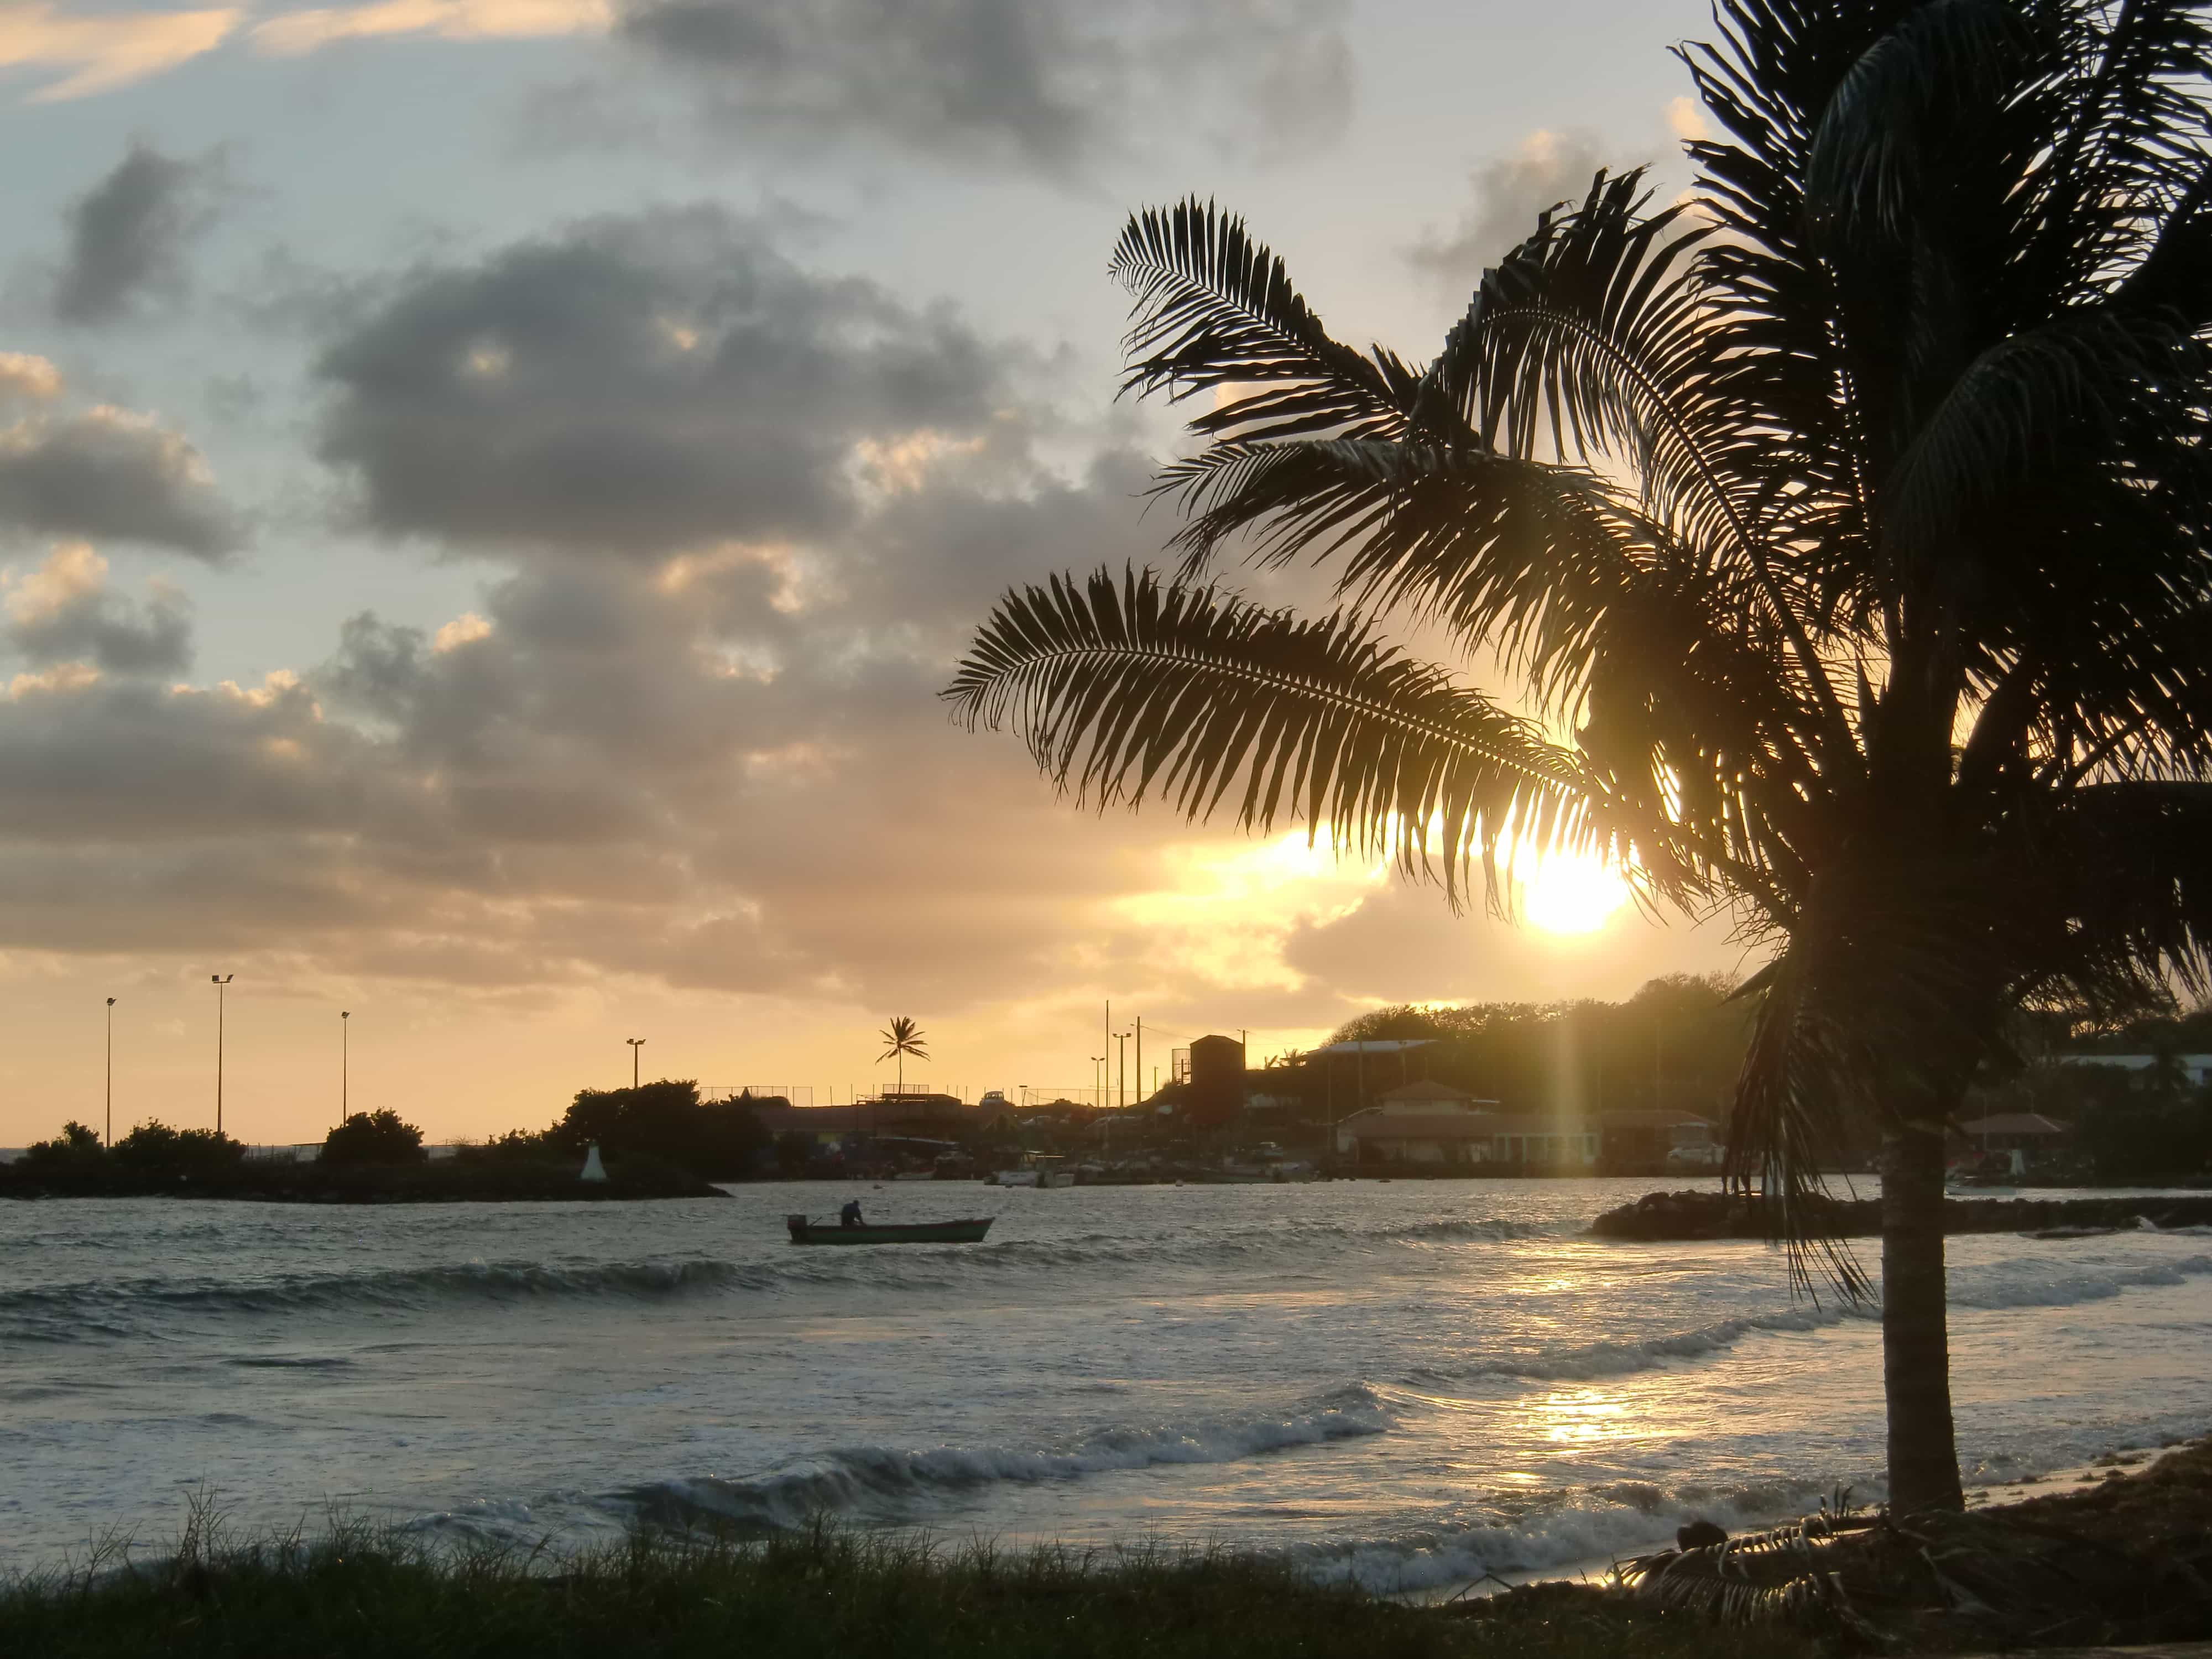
[1586,1089]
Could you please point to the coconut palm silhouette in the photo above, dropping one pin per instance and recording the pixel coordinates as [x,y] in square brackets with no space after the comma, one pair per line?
[1846,528]
[901,1037]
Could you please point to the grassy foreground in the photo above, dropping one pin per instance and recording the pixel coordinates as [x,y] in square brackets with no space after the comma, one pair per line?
[825,1593]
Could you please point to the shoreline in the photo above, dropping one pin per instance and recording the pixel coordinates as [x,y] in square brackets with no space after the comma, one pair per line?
[2112,1549]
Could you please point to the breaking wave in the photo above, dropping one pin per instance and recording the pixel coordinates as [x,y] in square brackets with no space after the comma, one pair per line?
[880,1482]
[1588,1529]
[97,1308]
[1590,1361]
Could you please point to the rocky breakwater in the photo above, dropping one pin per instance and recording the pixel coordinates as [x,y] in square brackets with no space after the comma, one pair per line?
[1659,1216]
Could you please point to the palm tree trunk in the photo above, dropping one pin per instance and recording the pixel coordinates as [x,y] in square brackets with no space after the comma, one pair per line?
[1916,1354]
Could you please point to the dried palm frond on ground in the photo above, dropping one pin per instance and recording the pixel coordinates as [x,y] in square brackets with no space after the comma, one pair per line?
[2128,1560]
[1789,1572]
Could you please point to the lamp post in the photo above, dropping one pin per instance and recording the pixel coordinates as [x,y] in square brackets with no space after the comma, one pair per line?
[110,1071]
[1122,1049]
[635,1043]
[219,981]
[345,1063]
[1098,1080]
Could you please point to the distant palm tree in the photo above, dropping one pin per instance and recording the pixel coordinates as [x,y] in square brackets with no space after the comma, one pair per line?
[1851,516]
[901,1037]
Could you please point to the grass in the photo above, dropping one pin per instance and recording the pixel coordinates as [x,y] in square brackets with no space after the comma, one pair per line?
[361,1590]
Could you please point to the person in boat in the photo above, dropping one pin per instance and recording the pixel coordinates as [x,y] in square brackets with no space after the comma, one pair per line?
[850,1215]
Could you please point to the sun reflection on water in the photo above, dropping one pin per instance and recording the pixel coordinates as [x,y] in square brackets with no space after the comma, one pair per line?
[1581,1416]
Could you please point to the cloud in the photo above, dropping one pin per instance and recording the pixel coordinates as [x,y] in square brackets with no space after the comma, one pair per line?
[1509,193]
[1050,82]
[63,612]
[735,520]
[111,475]
[129,234]
[28,378]
[311,28]
[1686,120]
[638,384]
[101,52]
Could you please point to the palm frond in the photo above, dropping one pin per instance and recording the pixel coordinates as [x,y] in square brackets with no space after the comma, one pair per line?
[1599,329]
[2068,385]
[2124,905]
[1214,307]
[1792,1099]
[1943,63]
[1786,1573]
[1125,689]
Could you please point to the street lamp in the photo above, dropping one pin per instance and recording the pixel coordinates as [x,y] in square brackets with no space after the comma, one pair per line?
[635,1043]
[1098,1080]
[110,1071]
[219,981]
[345,1061]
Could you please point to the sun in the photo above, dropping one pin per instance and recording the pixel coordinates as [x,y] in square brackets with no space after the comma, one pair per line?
[1565,893]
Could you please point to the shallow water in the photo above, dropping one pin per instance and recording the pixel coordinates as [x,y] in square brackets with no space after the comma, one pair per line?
[1410,1382]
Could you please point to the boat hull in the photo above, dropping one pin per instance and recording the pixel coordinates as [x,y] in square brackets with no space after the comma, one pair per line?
[803,1231]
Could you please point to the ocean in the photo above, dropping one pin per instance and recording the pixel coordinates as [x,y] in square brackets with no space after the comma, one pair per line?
[1406,1383]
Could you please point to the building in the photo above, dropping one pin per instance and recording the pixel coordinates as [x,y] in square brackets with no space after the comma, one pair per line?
[1435,1123]
[1215,1093]
[1640,1140]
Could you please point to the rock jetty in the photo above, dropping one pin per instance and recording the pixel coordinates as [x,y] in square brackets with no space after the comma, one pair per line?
[1659,1216]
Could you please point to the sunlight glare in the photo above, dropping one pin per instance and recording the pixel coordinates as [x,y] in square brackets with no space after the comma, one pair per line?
[1565,893]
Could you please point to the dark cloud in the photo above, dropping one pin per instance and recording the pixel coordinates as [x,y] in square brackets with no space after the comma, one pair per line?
[65,613]
[638,384]
[1508,194]
[108,474]
[129,234]
[1050,82]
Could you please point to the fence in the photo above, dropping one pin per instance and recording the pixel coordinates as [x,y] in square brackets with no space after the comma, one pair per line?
[1087,1094]
[798,1094]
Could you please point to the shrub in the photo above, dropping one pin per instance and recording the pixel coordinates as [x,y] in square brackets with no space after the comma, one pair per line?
[663,1119]
[76,1144]
[155,1145]
[378,1137]
[515,1147]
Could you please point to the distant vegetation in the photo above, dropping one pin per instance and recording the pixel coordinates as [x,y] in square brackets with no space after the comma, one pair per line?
[378,1137]
[664,1122]
[1678,1043]
[155,1145]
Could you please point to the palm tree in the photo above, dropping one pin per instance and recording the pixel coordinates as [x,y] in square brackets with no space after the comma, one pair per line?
[1843,528]
[901,1037]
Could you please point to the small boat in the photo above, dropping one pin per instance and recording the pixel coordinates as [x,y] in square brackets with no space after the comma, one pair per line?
[971,1231]
[1037,1170]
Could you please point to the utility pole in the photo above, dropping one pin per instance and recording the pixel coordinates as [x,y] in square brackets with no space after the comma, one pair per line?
[1121,1049]
[345,1063]
[219,981]
[110,1071]
[1140,1056]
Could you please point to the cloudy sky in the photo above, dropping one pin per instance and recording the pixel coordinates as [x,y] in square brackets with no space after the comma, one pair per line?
[489,488]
